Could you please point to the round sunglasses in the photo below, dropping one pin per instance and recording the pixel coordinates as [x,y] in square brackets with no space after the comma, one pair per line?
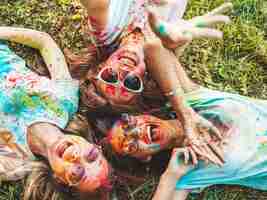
[131,82]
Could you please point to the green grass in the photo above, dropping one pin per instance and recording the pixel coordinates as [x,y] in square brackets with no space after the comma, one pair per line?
[236,64]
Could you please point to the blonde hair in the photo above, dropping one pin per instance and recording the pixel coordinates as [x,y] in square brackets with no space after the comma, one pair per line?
[40,183]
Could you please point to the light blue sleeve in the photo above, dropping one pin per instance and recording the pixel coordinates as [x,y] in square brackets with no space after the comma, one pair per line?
[236,115]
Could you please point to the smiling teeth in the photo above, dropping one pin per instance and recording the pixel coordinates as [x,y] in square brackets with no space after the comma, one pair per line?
[149,133]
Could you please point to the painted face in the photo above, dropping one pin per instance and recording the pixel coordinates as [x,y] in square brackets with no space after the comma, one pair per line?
[120,78]
[141,136]
[77,163]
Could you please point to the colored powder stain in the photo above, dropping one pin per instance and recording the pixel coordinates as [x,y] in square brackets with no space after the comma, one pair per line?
[124,92]
[4,68]
[200,24]
[7,105]
[109,135]
[51,105]
[22,100]
[155,147]
[161,29]
[68,106]
[110,90]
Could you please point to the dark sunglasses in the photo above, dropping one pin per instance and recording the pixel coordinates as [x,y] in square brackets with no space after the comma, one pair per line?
[131,82]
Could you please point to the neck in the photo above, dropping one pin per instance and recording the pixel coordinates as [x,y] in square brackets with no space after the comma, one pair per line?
[41,136]
[179,133]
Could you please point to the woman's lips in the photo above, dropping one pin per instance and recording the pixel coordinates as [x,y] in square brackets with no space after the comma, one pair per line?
[153,134]
[131,56]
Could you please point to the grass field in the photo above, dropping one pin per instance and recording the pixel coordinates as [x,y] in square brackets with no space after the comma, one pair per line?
[236,64]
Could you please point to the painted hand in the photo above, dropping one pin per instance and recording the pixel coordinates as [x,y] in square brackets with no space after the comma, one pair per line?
[181,33]
[201,138]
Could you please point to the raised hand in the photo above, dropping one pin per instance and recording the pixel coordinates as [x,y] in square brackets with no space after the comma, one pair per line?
[177,34]
[173,81]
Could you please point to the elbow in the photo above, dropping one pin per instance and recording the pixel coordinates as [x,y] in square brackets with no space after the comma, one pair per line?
[45,40]
[44,37]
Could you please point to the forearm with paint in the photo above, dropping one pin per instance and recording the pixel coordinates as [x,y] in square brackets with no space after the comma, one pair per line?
[171,78]
[50,51]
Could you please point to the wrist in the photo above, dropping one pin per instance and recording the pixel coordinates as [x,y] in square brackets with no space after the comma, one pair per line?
[169,178]
[167,182]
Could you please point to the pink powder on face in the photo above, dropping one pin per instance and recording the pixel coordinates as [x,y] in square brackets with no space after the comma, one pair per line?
[124,92]
[110,90]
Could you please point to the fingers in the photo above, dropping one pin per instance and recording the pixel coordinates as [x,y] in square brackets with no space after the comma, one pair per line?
[215,131]
[217,151]
[170,36]
[198,150]
[206,152]
[175,157]
[186,157]
[210,21]
[193,155]
[221,9]
[212,156]
[208,130]
[198,33]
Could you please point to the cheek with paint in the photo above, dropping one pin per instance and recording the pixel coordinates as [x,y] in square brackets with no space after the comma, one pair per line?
[110,90]
[124,92]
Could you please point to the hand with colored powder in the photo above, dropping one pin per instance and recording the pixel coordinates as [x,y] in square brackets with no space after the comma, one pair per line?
[183,31]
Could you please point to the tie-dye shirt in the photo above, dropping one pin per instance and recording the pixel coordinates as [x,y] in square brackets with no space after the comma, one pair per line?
[27,98]
[243,122]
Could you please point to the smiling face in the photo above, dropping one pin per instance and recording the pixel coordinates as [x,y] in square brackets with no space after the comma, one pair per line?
[141,136]
[77,163]
[120,78]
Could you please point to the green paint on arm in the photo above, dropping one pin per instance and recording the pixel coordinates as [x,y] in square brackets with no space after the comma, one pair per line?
[200,24]
[161,29]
